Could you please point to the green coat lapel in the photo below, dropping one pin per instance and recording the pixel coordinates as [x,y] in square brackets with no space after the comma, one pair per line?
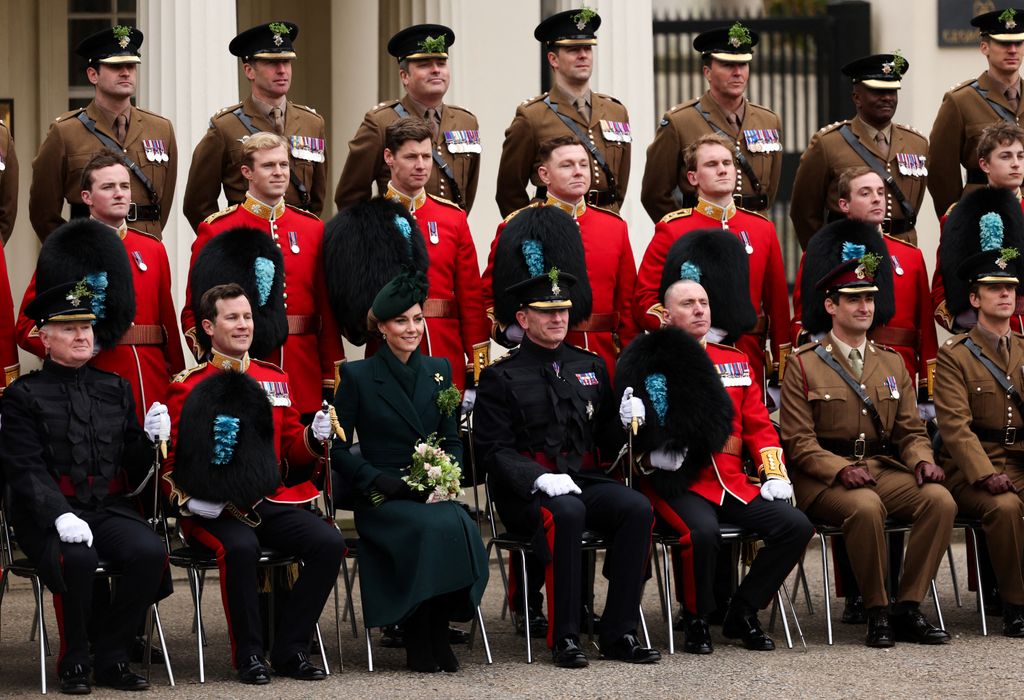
[392,394]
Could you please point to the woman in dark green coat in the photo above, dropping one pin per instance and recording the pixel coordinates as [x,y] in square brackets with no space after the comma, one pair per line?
[420,564]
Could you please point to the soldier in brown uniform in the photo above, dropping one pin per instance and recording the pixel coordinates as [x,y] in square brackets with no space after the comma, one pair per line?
[980,418]
[870,139]
[858,452]
[8,183]
[974,104]
[600,122]
[726,56]
[422,53]
[267,53]
[145,139]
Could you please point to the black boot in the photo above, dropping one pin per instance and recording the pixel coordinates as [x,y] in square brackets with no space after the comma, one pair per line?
[418,654]
[440,637]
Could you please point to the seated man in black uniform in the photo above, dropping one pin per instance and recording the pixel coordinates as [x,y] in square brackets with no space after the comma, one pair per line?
[71,447]
[539,414]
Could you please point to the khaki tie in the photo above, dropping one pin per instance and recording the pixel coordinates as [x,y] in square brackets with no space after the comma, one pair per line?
[856,363]
[431,117]
[1004,351]
[1013,98]
[582,107]
[277,118]
[882,143]
[121,128]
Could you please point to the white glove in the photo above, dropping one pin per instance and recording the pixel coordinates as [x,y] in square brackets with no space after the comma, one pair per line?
[514,333]
[668,460]
[776,489]
[71,528]
[631,407]
[321,426]
[205,509]
[157,423]
[556,485]
[926,409]
[468,400]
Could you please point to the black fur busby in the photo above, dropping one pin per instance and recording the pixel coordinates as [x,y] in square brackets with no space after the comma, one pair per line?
[961,237]
[687,407]
[824,254]
[364,248]
[248,257]
[719,262]
[84,247]
[225,449]
[561,246]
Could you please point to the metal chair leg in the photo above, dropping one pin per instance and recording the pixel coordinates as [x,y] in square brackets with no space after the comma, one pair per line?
[801,581]
[938,608]
[643,626]
[337,626]
[350,608]
[323,652]
[796,618]
[526,607]
[197,599]
[977,581]
[667,596]
[656,562]
[483,635]
[781,604]
[369,650]
[826,585]
[952,575]
[163,643]
[37,590]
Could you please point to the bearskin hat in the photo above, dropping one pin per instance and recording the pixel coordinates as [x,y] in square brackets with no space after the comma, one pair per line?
[365,246]
[560,247]
[825,253]
[248,257]
[87,248]
[717,261]
[225,449]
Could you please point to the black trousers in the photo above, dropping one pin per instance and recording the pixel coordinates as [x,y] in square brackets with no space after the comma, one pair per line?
[287,529]
[132,550]
[621,515]
[786,532]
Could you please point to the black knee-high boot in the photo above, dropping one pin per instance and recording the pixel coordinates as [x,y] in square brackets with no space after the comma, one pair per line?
[418,653]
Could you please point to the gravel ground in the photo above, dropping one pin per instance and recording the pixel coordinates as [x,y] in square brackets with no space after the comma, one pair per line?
[971,666]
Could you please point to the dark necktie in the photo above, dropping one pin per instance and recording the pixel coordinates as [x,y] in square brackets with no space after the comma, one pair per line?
[431,117]
[121,128]
[277,119]
[1013,98]
[882,143]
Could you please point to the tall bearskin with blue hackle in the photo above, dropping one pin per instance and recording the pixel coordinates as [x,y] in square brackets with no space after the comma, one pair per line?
[365,246]
[830,247]
[229,455]
[986,219]
[89,251]
[535,241]
[249,258]
[688,409]
[715,259]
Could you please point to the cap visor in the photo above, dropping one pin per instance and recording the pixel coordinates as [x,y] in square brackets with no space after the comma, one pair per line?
[425,55]
[120,59]
[574,42]
[551,305]
[997,279]
[854,289]
[732,57]
[273,55]
[70,316]
[1008,38]
[882,84]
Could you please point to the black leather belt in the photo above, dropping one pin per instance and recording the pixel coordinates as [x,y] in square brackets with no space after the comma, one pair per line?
[601,198]
[859,448]
[888,225]
[136,212]
[1002,436]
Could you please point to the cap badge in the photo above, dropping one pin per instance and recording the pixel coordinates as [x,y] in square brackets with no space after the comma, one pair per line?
[582,17]
[553,276]
[122,34]
[738,35]
[1007,18]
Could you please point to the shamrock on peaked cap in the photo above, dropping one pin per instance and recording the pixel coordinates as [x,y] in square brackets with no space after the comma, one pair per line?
[734,44]
[716,260]
[271,41]
[673,375]
[365,246]
[68,302]
[883,71]
[1002,25]
[421,41]
[996,263]
[535,240]
[247,257]
[85,249]
[118,44]
[825,253]
[962,237]
[569,28]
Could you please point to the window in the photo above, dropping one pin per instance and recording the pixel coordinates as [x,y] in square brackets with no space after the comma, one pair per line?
[87,17]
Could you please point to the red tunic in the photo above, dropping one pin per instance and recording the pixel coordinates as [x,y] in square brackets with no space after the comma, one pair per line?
[8,348]
[290,445]
[150,352]
[313,349]
[911,331]
[768,290]
[612,273]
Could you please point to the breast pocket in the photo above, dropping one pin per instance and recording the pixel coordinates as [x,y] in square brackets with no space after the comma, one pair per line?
[886,404]
[829,405]
[983,395]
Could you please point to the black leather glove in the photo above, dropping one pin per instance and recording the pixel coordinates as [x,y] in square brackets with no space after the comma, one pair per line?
[392,487]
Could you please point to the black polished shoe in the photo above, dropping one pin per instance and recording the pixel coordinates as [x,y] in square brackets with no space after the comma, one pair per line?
[698,634]
[254,671]
[994,603]
[628,648]
[744,625]
[538,624]
[300,668]
[137,652]
[1013,620]
[853,611]
[457,636]
[589,621]
[568,653]
[911,625]
[879,629]
[75,680]
[120,677]
[392,636]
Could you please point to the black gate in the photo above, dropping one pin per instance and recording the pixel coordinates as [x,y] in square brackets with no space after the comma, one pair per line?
[795,73]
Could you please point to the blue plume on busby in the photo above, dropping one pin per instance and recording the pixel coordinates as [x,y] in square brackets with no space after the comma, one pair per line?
[852,251]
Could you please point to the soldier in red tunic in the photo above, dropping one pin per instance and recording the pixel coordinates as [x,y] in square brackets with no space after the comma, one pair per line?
[8,350]
[149,353]
[565,171]
[313,349]
[710,168]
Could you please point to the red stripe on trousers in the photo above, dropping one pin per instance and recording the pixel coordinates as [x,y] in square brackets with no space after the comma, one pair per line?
[548,522]
[673,520]
[208,540]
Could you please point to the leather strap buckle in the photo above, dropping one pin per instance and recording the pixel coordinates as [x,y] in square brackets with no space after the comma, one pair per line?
[860,447]
[133,212]
[1010,436]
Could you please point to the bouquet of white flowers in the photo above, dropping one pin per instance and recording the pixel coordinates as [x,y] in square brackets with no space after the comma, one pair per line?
[435,471]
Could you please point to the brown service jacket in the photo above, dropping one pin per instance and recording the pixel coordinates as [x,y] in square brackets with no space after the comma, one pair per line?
[217,161]
[966,394]
[680,126]
[8,183]
[68,147]
[962,116]
[365,163]
[816,402]
[816,185]
[535,123]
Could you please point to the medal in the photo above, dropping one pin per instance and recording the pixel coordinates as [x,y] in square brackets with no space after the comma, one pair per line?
[432,228]
[139,262]
[890,382]
[896,265]
[293,239]
[746,243]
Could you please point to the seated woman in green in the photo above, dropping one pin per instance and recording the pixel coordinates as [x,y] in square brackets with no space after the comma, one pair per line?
[421,560]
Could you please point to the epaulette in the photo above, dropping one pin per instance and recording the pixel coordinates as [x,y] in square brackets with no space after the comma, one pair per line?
[585,351]
[507,355]
[226,110]
[682,105]
[528,206]
[950,210]
[446,202]
[268,365]
[677,214]
[762,108]
[68,115]
[460,108]
[728,347]
[607,97]
[144,233]
[382,105]
[603,210]
[300,210]
[531,100]
[908,127]
[899,240]
[152,114]
[887,348]
[806,346]
[754,213]
[830,127]
[218,214]
[961,85]
[305,107]
[186,373]
[956,339]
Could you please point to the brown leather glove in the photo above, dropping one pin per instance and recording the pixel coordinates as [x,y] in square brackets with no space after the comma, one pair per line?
[853,477]
[997,484]
[926,471]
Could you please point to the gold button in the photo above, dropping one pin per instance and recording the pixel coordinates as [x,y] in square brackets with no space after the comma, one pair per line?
[827,397]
